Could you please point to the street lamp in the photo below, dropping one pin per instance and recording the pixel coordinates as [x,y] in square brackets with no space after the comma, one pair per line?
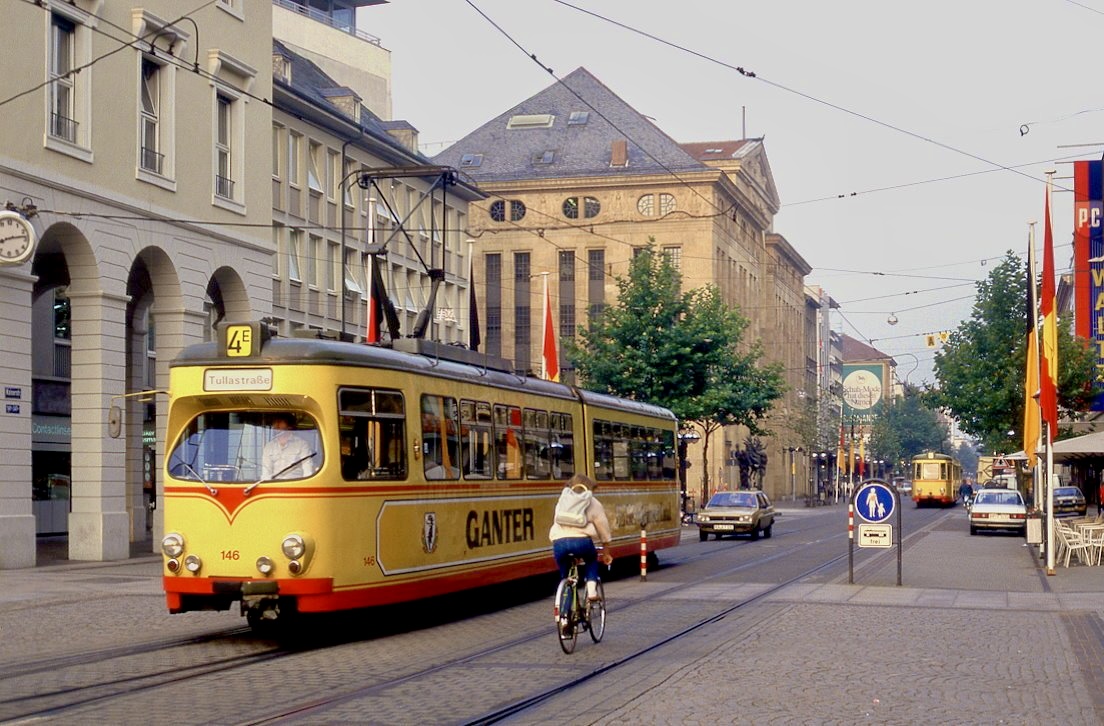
[685,438]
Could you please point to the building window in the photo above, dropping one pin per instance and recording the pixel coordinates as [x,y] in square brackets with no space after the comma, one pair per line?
[521,266]
[567,320]
[646,205]
[471,160]
[674,256]
[314,167]
[591,207]
[294,143]
[150,121]
[277,148]
[666,204]
[224,179]
[498,210]
[63,123]
[567,265]
[295,243]
[578,118]
[596,262]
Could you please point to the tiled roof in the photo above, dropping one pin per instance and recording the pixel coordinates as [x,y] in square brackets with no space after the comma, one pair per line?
[717,150]
[852,351]
[311,83]
[577,148]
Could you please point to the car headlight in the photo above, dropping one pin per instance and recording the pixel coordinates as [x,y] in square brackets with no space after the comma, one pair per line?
[703,518]
[293,546]
[172,545]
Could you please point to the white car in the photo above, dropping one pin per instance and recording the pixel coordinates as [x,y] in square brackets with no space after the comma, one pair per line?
[998,509]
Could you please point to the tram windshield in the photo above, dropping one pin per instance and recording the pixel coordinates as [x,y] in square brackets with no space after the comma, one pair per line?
[247,447]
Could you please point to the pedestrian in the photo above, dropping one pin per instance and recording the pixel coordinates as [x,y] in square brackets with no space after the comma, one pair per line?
[1100,498]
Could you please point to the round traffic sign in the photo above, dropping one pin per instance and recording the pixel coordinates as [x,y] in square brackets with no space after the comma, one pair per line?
[874,502]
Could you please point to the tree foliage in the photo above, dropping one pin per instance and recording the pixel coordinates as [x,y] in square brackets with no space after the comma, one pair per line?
[682,350]
[905,428]
[981,369]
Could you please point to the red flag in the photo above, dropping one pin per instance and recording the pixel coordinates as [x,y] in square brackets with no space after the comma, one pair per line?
[1048,363]
[373,335]
[550,357]
[1031,424]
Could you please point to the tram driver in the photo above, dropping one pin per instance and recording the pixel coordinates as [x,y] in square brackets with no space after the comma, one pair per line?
[286,455]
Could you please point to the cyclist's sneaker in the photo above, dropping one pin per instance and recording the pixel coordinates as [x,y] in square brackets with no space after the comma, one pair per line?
[592,590]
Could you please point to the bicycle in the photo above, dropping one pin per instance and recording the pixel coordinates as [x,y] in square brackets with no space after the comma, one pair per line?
[574,611]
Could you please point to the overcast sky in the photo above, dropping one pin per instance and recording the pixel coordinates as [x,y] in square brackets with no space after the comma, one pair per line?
[912,108]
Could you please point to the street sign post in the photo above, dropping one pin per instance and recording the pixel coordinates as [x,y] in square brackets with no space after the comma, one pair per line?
[875,502]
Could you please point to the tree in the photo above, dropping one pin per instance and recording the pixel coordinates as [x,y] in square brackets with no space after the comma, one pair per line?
[906,427]
[980,370]
[681,350]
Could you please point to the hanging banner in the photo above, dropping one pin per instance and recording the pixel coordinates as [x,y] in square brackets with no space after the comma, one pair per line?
[1088,261]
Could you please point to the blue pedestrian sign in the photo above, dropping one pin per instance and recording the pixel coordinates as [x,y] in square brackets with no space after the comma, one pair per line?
[874,502]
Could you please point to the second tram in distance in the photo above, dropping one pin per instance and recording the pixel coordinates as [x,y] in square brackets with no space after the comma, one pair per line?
[935,479]
[309,475]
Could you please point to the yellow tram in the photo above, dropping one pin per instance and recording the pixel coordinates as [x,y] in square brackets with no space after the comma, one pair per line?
[935,479]
[309,475]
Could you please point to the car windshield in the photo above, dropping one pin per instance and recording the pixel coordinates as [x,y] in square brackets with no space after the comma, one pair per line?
[995,497]
[1067,492]
[732,499]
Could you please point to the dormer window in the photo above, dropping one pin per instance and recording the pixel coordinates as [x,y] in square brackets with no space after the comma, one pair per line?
[471,160]
[531,121]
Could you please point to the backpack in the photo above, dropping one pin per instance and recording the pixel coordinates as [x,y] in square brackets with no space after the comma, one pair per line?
[571,509]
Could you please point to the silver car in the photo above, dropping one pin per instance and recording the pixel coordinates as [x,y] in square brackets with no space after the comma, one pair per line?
[998,509]
[741,512]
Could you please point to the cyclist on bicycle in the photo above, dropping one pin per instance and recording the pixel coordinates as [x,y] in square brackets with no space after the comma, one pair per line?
[570,540]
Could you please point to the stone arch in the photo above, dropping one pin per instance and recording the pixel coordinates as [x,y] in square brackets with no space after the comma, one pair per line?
[227,298]
[154,302]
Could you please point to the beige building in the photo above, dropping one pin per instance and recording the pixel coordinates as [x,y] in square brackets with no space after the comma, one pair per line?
[173,182]
[577,181]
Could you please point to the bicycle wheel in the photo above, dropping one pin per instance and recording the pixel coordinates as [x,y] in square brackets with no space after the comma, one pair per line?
[596,615]
[565,615]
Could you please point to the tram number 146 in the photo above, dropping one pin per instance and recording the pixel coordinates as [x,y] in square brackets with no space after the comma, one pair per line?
[231,555]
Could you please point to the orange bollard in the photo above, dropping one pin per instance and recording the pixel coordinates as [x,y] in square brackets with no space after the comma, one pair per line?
[643,554]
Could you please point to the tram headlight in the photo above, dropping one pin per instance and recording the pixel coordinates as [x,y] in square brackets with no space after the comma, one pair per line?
[293,546]
[172,545]
[192,563]
[265,565]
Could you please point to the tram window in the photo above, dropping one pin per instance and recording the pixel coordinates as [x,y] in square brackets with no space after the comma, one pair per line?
[230,446]
[603,451]
[372,429]
[621,452]
[562,447]
[638,453]
[670,462]
[508,442]
[537,438]
[440,437]
[476,440]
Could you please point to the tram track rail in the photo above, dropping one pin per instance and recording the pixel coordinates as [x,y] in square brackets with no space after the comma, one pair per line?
[317,707]
[91,681]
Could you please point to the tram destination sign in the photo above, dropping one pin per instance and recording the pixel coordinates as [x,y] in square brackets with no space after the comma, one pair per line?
[237,379]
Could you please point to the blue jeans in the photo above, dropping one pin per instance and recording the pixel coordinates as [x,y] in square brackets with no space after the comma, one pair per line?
[563,549]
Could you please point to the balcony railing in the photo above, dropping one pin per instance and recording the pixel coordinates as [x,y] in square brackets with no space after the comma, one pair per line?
[326,19]
[224,187]
[151,160]
[63,128]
